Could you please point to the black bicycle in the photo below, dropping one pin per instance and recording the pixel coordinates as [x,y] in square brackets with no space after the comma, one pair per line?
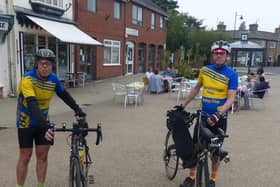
[80,159]
[206,145]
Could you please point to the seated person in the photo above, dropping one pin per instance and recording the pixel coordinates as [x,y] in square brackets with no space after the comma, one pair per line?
[149,73]
[245,88]
[260,87]
[257,92]
[155,83]
[168,72]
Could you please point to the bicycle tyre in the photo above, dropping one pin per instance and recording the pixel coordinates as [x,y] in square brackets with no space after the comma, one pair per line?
[171,160]
[198,178]
[202,168]
[75,173]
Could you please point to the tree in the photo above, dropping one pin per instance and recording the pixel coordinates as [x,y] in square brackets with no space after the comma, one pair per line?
[167,5]
[242,26]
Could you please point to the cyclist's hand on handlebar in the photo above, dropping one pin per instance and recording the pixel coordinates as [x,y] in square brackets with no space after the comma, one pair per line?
[213,119]
[179,107]
[49,135]
[80,115]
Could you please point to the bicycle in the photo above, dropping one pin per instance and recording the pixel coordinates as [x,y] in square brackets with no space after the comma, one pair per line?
[207,144]
[80,159]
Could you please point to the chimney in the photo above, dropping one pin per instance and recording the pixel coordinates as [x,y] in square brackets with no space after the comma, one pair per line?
[253,27]
[277,29]
[221,26]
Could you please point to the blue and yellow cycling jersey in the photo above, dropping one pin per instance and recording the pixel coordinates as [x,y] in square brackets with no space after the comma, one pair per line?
[43,90]
[216,82]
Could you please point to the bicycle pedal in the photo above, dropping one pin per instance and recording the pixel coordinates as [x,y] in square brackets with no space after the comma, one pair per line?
[227,159]
[91,179]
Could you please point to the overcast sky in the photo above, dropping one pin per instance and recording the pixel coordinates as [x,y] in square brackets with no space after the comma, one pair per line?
[264,12]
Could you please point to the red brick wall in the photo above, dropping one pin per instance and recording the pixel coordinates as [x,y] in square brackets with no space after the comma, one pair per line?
[102,25]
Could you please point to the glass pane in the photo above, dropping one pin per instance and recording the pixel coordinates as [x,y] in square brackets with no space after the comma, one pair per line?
[107,55]
[41,42]
[29,50]
[62,60]
[115,55]
[117,9]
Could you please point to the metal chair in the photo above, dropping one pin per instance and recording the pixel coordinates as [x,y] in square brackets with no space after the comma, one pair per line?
[119,90]
[134,93]
[185,88]
[82,78]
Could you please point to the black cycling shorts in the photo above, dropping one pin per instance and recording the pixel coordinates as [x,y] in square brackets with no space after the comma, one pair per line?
[26,136]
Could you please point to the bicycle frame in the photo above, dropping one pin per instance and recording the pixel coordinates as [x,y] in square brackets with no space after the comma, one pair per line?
[78,172]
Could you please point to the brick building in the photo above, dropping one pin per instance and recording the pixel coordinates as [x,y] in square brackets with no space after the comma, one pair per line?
[133,34]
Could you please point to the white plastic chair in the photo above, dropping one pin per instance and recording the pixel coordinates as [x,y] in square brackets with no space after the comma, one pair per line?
[134,92]
[82,78]
[185,88]
[119,90]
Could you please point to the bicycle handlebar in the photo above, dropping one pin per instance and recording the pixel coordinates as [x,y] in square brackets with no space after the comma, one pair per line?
[76,130]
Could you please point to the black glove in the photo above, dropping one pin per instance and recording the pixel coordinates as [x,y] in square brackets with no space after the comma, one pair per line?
[80,113]
[179,107]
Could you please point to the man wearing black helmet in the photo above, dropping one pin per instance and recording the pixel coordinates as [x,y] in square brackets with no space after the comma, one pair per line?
[219,83]
[35,91]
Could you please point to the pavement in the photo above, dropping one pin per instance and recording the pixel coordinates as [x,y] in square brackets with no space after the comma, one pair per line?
[131,152]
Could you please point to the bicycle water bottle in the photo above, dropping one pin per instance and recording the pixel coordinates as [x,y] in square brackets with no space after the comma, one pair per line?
[81,153]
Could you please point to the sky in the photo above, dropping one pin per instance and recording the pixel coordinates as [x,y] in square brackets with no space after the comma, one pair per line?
[265,13]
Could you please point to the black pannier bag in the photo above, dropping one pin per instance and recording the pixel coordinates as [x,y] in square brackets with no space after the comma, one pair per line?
[179,122]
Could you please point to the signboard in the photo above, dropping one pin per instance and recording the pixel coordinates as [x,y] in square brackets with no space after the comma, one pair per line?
[132,32]
[4,26]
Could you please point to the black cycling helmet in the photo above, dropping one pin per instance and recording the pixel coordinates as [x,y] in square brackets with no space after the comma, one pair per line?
[44,54]
[221,44]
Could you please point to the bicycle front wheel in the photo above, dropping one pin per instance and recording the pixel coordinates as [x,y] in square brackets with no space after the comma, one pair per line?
[75,173]
[171,160]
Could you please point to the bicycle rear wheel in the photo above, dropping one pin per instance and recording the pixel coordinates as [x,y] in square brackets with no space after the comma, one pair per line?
[75,175]
[171,160]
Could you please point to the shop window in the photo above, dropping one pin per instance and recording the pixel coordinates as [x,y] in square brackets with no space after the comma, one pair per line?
[111,52]
[29,49]
[41,42]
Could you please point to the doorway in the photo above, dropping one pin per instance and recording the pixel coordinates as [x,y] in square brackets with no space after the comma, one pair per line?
[129,57]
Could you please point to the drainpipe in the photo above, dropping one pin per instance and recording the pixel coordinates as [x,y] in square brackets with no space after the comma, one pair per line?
[10,70]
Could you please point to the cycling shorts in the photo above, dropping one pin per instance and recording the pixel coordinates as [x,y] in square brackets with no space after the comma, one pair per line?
[26,137]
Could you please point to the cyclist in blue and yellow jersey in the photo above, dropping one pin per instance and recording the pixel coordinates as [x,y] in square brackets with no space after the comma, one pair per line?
[219,84]
[35,91]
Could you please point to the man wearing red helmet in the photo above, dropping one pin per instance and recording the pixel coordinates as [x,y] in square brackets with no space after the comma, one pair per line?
[219,84]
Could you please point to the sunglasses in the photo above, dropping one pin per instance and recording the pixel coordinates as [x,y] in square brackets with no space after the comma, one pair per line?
[219,53]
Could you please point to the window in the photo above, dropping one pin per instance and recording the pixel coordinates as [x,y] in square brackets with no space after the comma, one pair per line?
[92,5]
[56,3]
[272,45]
[111,52]
[117,10]
[153,21]
[137,17]
[161,23]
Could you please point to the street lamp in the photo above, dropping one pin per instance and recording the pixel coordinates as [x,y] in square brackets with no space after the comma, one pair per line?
[240,17]
[233,36]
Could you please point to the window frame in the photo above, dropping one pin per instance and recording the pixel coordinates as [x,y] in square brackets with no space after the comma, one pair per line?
[92,9]
[137,15]
[153,21]
[161,23]
[117,15]
[111,45]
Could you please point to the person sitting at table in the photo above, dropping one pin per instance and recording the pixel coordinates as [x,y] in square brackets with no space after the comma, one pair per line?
[260,87]
[168,72]
[155,83]
[149,73]
[245,88]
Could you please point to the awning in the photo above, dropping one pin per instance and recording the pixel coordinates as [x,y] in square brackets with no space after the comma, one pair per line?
[65,32]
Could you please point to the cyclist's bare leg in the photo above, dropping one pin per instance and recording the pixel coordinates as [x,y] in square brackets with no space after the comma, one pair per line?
[22,165]
[42,162]
[215,166]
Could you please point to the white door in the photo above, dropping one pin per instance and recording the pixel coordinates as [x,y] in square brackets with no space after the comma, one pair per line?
[129,57]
